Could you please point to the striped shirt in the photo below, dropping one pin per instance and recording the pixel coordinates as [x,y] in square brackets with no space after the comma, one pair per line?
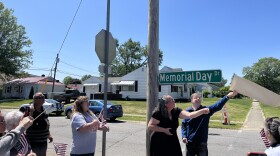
[39,131]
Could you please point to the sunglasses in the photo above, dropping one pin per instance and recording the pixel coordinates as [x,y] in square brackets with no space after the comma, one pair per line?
[39,97]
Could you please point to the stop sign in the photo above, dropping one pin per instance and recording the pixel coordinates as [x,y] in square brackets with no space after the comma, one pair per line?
[100,46]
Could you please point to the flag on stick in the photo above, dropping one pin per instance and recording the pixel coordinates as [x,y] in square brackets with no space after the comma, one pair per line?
[253,90]
[265,140]
[60,148]
[101,118]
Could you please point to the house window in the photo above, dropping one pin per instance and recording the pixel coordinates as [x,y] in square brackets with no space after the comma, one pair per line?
[185,88]
[127,88]
[8,89]
[174,88]
[20,89]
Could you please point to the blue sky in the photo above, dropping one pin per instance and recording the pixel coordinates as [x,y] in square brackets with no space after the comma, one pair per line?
[193,34]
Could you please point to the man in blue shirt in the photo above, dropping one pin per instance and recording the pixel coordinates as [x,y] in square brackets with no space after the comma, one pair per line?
[195,131]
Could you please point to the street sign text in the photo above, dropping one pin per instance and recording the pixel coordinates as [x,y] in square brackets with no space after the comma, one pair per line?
[190,77]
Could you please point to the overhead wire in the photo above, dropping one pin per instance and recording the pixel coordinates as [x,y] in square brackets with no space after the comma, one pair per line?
[76,67]
[70,26]
[56,59]
[53,66]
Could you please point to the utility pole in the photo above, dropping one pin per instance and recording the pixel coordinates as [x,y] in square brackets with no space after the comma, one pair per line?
[56,61]
[152,69]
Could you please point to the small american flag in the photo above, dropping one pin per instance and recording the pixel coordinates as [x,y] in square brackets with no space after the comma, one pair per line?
[101,118]
[264,138]
[60,148]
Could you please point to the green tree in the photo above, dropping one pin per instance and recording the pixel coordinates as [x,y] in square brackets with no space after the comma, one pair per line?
[220,84]
[266,72]
[85,77]
[130,56]
[221,92]
[67,80]
[75,81]
[15,54]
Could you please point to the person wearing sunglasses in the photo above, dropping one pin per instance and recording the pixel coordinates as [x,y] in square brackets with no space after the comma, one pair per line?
[164,123]
[39,133]
[272,131]
[8,140]
[195,131]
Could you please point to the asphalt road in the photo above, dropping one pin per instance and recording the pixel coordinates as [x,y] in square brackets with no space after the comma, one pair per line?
[128,139]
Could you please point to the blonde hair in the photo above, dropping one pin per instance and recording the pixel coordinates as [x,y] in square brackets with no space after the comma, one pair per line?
[77,108]
[195,94]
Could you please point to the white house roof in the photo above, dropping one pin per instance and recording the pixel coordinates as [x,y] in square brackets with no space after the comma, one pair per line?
[91,84]
[123,83]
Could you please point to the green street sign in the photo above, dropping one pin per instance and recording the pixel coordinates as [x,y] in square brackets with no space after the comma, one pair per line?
[190,76]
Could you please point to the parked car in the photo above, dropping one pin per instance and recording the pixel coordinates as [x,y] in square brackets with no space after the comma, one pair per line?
[50,105]
[96,106]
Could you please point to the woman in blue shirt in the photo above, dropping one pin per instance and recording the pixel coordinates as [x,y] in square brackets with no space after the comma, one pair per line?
[84,125]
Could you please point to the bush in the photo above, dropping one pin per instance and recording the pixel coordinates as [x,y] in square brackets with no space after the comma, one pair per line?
[221,92]
[206,93]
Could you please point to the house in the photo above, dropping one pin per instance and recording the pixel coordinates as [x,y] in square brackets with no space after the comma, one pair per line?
[95,85]
[134,85]
[25,88]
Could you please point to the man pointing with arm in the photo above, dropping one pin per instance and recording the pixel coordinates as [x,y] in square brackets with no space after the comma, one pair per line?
[195,131]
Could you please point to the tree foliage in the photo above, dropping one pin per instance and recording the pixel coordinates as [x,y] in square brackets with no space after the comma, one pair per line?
[67,80]
[220,84]
[75,81]
[266,72]
[130,56]
[85,77]
[15,55]
[221,92]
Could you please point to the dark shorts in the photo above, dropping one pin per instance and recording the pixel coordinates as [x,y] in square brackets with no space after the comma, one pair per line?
[40,148]
[88,154]
[199,149]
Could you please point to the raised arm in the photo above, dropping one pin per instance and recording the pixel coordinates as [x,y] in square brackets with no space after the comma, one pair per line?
[10,139]
[185,115]
[232,94]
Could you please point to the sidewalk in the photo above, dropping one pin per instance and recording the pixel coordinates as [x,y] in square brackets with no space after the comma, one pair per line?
[255,118]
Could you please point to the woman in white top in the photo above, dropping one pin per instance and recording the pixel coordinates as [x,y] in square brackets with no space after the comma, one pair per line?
[84,125]
[272,129]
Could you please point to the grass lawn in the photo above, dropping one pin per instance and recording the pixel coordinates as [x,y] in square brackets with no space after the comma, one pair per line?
[136,110]
[15,103]
[270,111]
[237,109]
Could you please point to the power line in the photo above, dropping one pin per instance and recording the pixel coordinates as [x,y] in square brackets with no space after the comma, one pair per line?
[76,67]
[64,72]
[43,69]
[70,26]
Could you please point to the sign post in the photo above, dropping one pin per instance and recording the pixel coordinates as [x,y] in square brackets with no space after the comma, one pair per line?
[105,47]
